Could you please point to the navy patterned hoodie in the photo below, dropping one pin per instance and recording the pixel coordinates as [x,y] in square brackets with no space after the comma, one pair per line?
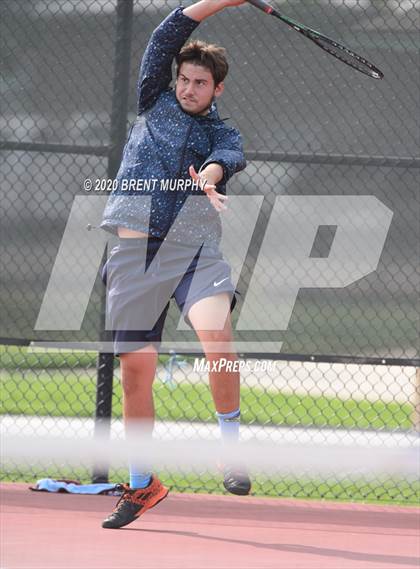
[163,142]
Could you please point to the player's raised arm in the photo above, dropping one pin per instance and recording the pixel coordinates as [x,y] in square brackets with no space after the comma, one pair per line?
[206,8]
[165,43]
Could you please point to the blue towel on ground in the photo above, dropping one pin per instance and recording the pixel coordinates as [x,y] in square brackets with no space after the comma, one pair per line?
[73,487]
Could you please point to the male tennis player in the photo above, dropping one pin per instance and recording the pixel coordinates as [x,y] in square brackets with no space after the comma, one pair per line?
[178,149]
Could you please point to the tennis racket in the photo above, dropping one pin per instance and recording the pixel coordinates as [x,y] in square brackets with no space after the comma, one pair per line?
[332,47]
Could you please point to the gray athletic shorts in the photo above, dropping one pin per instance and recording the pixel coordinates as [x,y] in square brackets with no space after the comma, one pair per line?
[142,275]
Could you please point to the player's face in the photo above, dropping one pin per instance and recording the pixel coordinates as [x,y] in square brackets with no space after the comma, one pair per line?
[195,88]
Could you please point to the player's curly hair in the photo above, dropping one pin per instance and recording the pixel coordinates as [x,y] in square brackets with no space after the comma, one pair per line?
[208,55]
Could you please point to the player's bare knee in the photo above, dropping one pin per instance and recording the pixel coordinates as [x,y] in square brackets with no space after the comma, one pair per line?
[134,383]
[216,345]
[138,370]
[211,336]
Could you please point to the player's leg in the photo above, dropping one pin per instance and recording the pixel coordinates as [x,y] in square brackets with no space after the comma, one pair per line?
[130,296]
[138,370]
[210,318]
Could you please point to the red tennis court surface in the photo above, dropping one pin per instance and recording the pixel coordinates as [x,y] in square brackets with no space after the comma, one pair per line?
[185,531]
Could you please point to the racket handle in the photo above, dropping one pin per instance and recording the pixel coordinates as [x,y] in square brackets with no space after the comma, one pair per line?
[262,5]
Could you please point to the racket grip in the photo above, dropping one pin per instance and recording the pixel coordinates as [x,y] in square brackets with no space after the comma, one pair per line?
[262,5]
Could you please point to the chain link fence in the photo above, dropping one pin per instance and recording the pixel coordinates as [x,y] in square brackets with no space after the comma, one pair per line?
[336,360]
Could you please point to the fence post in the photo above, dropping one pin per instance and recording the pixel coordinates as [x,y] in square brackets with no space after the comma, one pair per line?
[121,82]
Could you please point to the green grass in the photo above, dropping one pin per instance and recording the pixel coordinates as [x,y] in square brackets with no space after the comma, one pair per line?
[14,357]
[18,358]
[384,491]
[66,393]
[387,490]
[64,384]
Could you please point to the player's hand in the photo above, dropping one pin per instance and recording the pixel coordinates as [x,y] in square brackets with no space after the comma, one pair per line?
[215,198]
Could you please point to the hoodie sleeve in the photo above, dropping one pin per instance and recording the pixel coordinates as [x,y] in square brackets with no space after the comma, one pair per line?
[227,151]
[156,66]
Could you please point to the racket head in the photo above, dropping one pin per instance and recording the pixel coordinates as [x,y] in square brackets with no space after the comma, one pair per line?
[333,47]
[344,54]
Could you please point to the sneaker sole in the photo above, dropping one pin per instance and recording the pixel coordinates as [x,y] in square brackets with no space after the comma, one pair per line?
[238,491]
[152,505]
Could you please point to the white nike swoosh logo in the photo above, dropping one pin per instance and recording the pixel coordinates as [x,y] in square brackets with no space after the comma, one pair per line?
[220,282]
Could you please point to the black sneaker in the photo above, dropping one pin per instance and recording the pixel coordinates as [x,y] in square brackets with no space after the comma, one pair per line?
[133,503]
[236,481]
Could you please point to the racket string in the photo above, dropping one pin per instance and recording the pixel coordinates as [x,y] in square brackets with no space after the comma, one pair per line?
[345,55]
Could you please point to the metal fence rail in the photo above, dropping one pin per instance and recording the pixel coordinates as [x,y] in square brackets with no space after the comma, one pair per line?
[312,128]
